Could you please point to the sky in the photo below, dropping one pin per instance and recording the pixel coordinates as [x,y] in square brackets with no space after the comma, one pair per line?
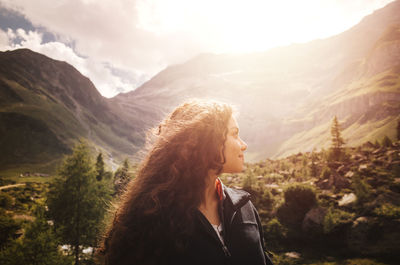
[120,44]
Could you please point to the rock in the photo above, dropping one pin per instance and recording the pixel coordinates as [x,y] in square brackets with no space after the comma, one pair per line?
[313,220]
[360,220]
[339,169]
[341,182]
[362,167]
[368,145]
[293,255]
[272,186]
[347,199]
[334,164]
[284,172]
[379,162]
[324,184]
[377,151]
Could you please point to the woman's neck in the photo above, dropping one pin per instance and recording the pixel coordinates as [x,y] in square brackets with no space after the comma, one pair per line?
[209,205]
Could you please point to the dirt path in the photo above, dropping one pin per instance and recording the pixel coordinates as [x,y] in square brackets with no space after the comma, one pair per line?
[11,186]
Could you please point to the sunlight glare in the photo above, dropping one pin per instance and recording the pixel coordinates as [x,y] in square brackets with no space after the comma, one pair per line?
[243,26]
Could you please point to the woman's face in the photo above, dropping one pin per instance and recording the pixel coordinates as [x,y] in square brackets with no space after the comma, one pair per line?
[234,148]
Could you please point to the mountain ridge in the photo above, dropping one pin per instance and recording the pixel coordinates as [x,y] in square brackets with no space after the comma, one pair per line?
[286,96]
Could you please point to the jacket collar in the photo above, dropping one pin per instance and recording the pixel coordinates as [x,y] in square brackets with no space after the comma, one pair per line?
[236,197]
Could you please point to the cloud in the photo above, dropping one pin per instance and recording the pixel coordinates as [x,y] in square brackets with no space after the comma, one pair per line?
[107,31]
[141,37]
[102,75]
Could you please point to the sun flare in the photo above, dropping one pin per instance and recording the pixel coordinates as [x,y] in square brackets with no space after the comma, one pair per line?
[244,26]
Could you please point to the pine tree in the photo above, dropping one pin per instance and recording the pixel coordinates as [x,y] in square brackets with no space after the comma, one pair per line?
[122,178]
[337,140]
[100,167]
[313,166]
[386,142]
[77,202]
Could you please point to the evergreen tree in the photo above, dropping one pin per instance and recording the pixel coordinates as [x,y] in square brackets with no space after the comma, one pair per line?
[386,142]
[122,178]
[100,167]
[8,227]
[337,140]
[39,245]
[77,202]
[313,166]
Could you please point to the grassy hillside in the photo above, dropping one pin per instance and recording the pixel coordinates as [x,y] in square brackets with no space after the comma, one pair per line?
[45,107]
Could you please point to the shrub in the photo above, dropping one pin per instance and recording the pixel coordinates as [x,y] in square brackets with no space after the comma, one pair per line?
[335,218]
[274,232]
[299,199]
[248,182]
[361,189]
[267,200]
[6,200]
[388,210]
[8,228]
[325,173]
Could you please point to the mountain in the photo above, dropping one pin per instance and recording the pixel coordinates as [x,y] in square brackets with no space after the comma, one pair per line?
[288,96]
[46,106]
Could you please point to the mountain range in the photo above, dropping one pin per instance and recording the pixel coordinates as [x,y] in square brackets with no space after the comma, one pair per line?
[286,97]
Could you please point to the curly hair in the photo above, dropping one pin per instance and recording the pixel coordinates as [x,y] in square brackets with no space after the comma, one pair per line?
[156,213]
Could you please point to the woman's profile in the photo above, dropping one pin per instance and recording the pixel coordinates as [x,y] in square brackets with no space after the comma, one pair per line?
[176,210]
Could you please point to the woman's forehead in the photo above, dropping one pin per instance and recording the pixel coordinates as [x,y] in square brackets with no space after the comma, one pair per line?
[232,124]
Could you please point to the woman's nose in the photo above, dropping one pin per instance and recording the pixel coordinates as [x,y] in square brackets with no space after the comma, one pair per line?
[244,145]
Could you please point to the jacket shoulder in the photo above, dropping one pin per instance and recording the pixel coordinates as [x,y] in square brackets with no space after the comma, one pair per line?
[237,197]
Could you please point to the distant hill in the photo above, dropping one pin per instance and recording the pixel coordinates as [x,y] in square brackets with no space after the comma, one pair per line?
[46,106]
[288,96]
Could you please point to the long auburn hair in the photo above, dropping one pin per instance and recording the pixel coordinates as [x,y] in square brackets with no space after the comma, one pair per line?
[155,216]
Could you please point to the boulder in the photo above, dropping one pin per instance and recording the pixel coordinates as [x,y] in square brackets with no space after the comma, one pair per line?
[293,255]
[340,182]
[347,199]
[313,220]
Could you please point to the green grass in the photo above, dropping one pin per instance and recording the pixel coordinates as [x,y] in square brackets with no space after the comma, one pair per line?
[318,137]
[358,134]
[13,171]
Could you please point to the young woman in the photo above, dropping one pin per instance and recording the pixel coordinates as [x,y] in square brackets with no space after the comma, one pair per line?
[177,211]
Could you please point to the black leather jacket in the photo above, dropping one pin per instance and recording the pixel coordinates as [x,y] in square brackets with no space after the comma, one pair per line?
[242,233]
